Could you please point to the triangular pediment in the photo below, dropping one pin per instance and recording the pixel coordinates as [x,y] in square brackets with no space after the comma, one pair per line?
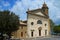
[39,13]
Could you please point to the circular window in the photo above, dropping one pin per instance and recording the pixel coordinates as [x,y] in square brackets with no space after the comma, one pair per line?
[32,23]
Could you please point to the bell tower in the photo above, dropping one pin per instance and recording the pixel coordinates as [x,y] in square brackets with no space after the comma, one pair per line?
[45,8]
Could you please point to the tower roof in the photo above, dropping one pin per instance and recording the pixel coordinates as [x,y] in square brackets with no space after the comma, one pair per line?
[44,5]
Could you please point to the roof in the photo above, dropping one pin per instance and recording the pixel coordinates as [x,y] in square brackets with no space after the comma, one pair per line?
[23,23]
[45,6]
[33,10]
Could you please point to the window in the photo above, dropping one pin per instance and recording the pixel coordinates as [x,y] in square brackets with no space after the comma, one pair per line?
[43,10]
[32,23]
[32,33]
[45,32]
[45,24]
[21,34]
[39,22]
[25,31]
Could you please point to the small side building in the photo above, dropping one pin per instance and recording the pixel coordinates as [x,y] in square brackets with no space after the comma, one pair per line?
[22,31]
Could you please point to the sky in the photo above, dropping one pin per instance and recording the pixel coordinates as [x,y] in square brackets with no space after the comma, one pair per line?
[19,7]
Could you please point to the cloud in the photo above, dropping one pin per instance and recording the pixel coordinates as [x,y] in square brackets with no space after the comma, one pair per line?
[54,10]
[19,10]
[21,6]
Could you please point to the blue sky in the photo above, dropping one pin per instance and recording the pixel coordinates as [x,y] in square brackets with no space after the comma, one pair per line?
[20,7]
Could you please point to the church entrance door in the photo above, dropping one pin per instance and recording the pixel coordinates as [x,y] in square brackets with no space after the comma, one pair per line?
[39,32]
[39,29]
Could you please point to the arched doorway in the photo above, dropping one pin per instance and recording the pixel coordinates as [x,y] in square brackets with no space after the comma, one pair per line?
[39,29]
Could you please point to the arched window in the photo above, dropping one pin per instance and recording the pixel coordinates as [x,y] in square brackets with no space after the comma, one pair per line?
[39,22]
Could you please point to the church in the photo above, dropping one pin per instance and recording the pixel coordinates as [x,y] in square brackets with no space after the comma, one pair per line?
[37,24]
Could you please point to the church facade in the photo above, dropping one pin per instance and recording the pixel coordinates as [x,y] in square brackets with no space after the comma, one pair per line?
[37,23]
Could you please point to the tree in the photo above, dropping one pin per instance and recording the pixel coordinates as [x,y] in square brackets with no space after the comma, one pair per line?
[52,24]
[9,22]
[56,29]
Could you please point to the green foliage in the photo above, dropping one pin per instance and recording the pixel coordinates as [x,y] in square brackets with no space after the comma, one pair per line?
[9,22]
[56,29]
[52,24]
